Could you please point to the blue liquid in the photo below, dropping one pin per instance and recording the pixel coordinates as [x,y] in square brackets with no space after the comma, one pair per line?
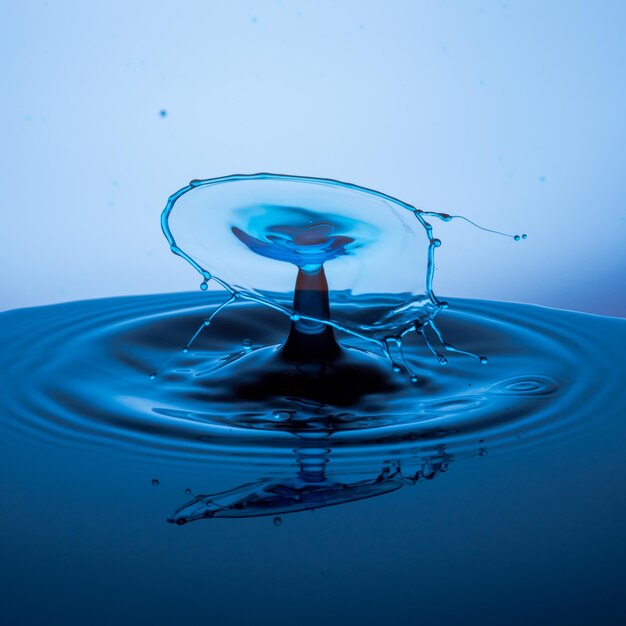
[92,388]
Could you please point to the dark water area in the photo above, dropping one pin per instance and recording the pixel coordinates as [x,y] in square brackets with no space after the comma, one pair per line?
[481,494]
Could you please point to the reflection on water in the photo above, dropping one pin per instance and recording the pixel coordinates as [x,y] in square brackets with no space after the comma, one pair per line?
[311,487]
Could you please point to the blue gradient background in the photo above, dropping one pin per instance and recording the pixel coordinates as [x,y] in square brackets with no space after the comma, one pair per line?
[511,113]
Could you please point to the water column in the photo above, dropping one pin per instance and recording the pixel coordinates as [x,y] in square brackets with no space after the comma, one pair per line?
[310,341]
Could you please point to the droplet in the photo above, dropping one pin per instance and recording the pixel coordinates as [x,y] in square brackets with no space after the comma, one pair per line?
[443,360]
[414,379]
[482,452]
[163,113]
[203,286]
[484,360]
[278,521]
[186,349]
[247,345]
[395,367]
[524,236]
[281,416]
[517,237]
[435,242]
[153,376]
[295,317]
[155,482]
[188,491]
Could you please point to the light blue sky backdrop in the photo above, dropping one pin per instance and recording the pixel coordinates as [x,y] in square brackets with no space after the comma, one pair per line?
[511,113]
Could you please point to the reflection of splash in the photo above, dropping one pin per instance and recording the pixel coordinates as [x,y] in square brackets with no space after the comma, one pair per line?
[311,488]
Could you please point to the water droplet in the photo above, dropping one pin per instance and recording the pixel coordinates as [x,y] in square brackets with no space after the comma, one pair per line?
[188,491]
[436,242]
[281,416]
[524,236]
[203,286]
[247,345]
[163,113]
[186,349]
[153,376]
[277,521]
[484,360]
[295,317]
[395,367]
[414,379]
[155,482]
[482,452]
[517,237]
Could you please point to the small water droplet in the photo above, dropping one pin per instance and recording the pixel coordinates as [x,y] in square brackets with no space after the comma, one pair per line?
[436,242]
[155,482]
[482,452]
[414,379]
[188,491]
[295,317]
[247,345]
[281,416]
[186,349]
[395,367]
[207,322]
[278,521]
[517,237]
[163,113]
[153,376]
[524,236]
[203,286]
[484,360]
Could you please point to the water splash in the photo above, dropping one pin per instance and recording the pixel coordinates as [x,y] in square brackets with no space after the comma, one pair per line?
[371,239]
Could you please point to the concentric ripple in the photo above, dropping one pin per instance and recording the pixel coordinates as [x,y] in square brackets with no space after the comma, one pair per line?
[79,374]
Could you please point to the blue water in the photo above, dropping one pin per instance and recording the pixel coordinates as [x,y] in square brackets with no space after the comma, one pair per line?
[304,443]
